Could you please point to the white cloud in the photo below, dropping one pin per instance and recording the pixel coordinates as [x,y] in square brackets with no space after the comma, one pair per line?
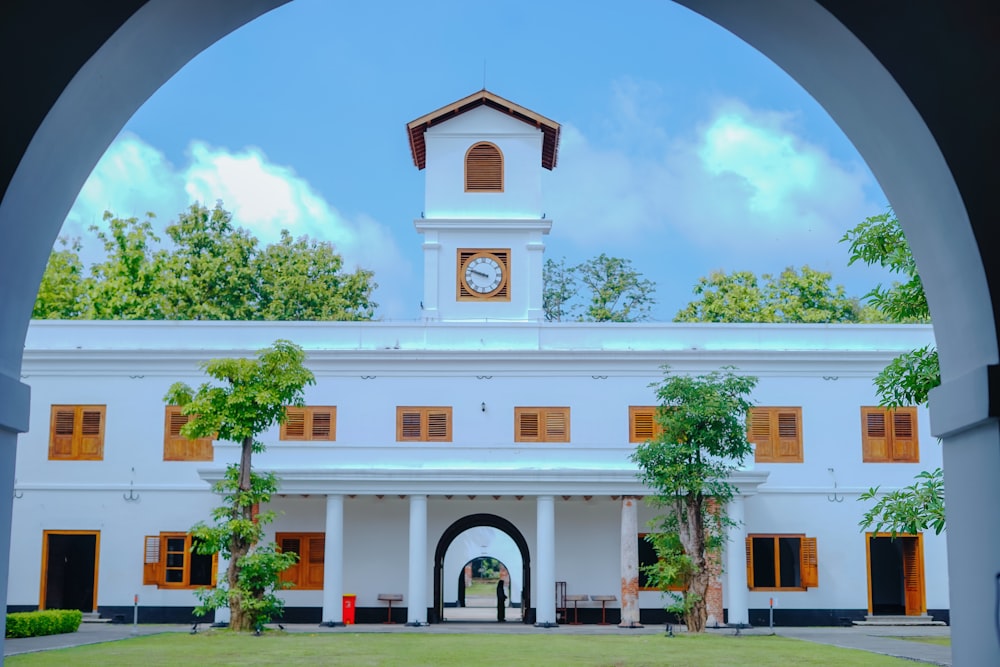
[743,181]
[133,177]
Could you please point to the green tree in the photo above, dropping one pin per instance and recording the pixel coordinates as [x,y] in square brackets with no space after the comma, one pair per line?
[618,293]
[794,295]
[248,397]
[614,291]
[702,439]
[212,269]
[560,288]
[908,378]
[303,279]
[211,272]
[63,294]
[128,284]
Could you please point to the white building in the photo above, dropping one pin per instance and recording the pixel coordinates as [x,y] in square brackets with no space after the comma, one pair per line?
[482,430]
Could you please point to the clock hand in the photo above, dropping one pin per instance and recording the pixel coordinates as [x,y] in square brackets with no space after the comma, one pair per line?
[480,273]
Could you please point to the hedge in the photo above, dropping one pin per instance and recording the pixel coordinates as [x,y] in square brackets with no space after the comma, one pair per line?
[38,623]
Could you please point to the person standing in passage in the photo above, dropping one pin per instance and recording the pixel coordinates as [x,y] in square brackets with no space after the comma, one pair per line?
[501,599]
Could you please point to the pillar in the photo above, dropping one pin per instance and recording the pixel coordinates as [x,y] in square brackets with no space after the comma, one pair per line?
[333,562]
[736,564]
[630,564]
[416,604]
[545,595]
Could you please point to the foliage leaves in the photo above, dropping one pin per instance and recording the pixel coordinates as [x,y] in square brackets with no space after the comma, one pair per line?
[702,438]
[614,291]
[908,378]
[209,270]
[247,397]
[803,296]
[912,509]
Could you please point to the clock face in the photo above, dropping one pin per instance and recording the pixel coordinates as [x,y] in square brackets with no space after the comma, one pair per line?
[483,274]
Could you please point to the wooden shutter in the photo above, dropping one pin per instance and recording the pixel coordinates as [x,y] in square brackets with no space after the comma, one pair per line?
[526,425]
[484,168]
[321,425]
[291,545]
[438,424]
[810,562]
[904,435]
[913,576]
[178,448]
[749,548]
[62,429]
[557,425]
[789,434]
[760,434]
[294,427]
[92,433]
[874,435]
[541,424]
[152,573]
[314,564]
[408,424]
[642,423]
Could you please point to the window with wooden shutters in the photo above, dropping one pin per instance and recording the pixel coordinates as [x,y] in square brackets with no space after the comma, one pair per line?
[170,561]
[178,448]
[76,433]
[642,424]
[541,424]
[889,435]
[310,422]
[782,562]
[423,424]
[776,434]
[484,168]
[647,557]
[307,573]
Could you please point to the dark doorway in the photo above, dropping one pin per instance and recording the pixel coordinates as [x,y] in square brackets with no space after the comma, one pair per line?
[69,570]
[895,575]
[456,529]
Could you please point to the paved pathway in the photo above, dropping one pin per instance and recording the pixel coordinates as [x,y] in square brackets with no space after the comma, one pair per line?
[875,639]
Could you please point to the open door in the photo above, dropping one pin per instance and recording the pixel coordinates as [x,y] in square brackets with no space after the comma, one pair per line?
[69,570]
[895,575]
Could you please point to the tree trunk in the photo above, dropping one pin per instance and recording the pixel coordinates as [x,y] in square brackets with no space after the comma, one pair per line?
[239,619]
[692,535]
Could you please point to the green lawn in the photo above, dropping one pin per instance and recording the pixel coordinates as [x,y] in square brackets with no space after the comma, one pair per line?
[483,588]
[411,649]
[940,641]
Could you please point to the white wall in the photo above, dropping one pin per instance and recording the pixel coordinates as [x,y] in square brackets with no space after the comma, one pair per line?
[447,144]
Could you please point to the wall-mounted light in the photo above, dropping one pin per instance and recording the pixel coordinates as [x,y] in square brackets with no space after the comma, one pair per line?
[482,406]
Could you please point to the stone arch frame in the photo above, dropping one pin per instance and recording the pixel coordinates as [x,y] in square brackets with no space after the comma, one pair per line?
[459,527]
[906,103]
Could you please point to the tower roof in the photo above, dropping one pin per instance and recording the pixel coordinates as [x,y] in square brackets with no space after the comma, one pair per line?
[549,128]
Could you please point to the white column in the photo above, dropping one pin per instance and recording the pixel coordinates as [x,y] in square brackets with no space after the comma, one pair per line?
[630,564]
[333,562]
[223,614]
[416,602]
[545,557]
[735,592]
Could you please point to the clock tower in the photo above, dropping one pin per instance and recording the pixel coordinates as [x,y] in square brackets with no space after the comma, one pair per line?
[483,221]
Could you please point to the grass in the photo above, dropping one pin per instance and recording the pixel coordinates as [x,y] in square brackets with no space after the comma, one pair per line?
[411,649]
[940,641]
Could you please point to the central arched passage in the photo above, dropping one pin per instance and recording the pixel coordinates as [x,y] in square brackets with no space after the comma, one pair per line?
[459,527]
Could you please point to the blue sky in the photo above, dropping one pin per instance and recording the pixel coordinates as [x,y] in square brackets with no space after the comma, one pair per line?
[682,148]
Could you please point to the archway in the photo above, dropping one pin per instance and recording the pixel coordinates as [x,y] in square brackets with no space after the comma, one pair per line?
[459,527]
[920,110]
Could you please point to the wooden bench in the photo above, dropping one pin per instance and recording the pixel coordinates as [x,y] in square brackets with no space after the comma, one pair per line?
[390,598]
[603,599]
[574,599]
